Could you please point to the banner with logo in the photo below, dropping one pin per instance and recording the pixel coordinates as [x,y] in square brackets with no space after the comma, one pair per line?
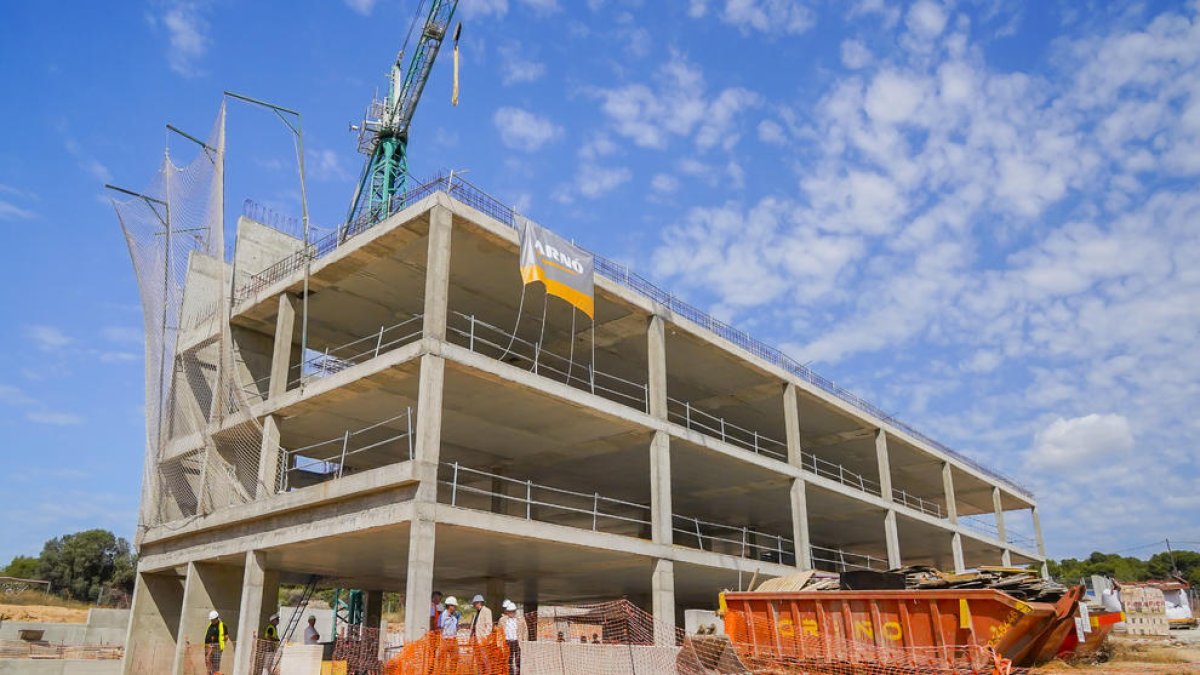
[566,270]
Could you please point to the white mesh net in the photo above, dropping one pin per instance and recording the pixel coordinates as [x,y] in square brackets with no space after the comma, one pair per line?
[202,445]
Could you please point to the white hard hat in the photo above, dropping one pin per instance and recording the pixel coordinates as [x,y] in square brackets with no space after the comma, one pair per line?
[212,615]
[274,616]
[509,606]
[477,598]
[450,601]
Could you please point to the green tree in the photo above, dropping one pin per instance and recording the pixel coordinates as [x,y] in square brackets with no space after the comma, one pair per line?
[22,567]
[80,565]
[1187,562]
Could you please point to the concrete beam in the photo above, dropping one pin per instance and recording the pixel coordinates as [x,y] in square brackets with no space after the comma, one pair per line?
[268,458]
[656,357]
[419,583]
[948,488]
[428,446]
[260,599]
[281,355]
[839,437]
[998,505]
[799,499]
[791,423]
[892,535]
[956,549]
[437,273]
[1037,531]
[207,587]
[663,591]
[885,468]
[1006,558]
[153,624]
[660,489]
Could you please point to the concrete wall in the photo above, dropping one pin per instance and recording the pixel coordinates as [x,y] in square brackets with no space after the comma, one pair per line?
[58,667]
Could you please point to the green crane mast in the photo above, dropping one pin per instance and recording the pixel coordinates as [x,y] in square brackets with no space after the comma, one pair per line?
[383,134]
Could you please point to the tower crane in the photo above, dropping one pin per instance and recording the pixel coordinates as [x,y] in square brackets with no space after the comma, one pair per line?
[383,133]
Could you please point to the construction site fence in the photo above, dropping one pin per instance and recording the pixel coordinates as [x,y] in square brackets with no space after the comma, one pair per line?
[468,194]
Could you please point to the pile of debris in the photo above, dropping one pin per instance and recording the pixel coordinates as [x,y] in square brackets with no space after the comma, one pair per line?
[1018,582]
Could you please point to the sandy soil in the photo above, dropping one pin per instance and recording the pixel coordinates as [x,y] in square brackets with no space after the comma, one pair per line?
[42,613]
[1178,654]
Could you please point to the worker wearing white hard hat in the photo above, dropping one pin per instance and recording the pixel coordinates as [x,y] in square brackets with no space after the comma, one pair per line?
[311,636]
[482,623]
[510,626]
[214,643]
[448,623]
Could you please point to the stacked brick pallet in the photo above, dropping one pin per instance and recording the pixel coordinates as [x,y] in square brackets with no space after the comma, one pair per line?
[1145,611]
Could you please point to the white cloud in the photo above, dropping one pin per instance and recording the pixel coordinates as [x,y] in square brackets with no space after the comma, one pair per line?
[1081,443]
[88,163]
[926,19]
[10,211]
[664,183]
[594,181]
[364,7]
[772,17]
[855,54]
[46,338]
[52,418]
[525,131]
[516,68]
[771,132]
[187,33]
[10,395]
[678,105]
[325,165]
[542,6]
[473,9]
[123,334]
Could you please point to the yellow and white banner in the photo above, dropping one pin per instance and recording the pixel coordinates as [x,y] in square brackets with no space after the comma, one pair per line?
[566,270]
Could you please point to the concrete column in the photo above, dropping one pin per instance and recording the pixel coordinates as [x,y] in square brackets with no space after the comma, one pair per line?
[437,273]
[268,458]
[1037,531]
[661,516]
[885,467]
[799,498]
[663,591]
[153,624]
[499,490]
[791,423]
[427,448]
[419,584]
[956,548]
[999,506]
[892,534]
[948,487]
[493,594]
[260,599]
[208,586]
[281,355]
[656,358]
[373,616]
[1006,558]
[1045,570]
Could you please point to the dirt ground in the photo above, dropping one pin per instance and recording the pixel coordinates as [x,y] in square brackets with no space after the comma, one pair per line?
[42,613]
[1179,653]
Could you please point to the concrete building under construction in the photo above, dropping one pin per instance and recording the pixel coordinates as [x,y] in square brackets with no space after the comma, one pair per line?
[389,408]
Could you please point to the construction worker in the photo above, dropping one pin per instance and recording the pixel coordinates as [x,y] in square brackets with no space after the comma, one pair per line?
[214,643]
[269,644]
[311,636]
[435,609]
[481,632]
[448,623]
[510,626]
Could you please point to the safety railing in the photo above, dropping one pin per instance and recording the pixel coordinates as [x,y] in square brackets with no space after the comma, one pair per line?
[333,360]
[839,473]
[918,503]
[1021,540]
[841,561]
[733,540]
[485,491]
[466,193]
[388,441]
[984,524]
[685,414]
[498,343]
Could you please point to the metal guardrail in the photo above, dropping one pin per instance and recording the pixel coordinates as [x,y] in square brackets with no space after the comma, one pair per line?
[685,414]
[918,503]
[839,473]
[328,458]
[847,560]
[731,540]
[468,194]
[985,524]
[495,342]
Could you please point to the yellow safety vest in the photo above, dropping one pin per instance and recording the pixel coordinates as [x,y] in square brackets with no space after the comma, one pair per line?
[270,632]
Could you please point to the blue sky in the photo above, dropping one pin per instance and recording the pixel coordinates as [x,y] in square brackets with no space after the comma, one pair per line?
[983,215]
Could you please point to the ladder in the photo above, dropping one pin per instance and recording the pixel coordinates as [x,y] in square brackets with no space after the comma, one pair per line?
[293,622]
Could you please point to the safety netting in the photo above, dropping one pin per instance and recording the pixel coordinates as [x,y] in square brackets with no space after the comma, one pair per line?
[202,446]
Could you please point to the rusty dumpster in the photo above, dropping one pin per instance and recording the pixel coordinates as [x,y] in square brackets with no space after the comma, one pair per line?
[895,631]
